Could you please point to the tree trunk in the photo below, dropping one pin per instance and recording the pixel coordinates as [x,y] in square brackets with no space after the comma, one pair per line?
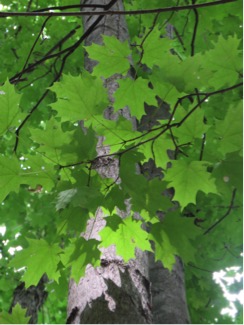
[117,292]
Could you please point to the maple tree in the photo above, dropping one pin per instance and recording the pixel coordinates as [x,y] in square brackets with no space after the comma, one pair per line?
[185,96]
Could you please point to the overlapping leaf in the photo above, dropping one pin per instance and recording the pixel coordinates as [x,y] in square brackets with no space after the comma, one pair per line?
[79,254]
[154,48]
[112,56]
[39,257]
[18,316]
[10,112]
[187,178]
[230,130]
[79,97]
[126,234]
[134,93]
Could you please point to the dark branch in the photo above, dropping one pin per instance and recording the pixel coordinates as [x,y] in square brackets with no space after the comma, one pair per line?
[69,7]
[225,215]
[199,268]
[114,12]
[194,29]
[33,46]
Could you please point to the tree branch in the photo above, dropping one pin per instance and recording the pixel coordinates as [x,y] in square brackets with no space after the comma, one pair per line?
[194,29]
[225,215]
[114,12]
[164,128]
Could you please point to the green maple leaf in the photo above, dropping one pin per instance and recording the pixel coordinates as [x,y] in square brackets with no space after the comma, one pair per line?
[36,171]
[131,181]
[187,178]
[13,173]
[173,236]
[193,127]
[163,86]
[157,150]
[116,133]
[79,254]
[51,139]
[126,234]
[79,98]
[10,113]
[112,56]
[134,93]
[17,316]
[230,130]
[39,257]
[228,174]
[154,48]
[9,176]
[164,250]
[224,61]
[64,147]
[155,200]
[181,233]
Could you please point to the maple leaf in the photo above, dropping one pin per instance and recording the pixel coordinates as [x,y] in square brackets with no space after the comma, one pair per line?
[157,149]
[173,237]
[230,130]
[116,132]
[10,113]
[12,174]
[54,143]
[79,254]
[228,174]
[17,316]
[9,172]
[164,250]
[39,257]
[166,89]
[112,57]
[134,93]
[193,127]
[224,61]
[79,97]
[154,48]
[126,234]
[188,177]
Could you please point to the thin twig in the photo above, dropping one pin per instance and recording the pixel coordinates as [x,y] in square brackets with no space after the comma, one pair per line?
[225,215]
[33,46]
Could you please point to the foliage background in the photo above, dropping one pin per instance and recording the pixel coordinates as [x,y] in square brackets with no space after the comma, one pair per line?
[187,62]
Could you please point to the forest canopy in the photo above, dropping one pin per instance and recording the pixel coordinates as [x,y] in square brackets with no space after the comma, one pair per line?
[179,153]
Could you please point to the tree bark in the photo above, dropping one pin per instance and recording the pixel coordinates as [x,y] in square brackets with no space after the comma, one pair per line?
[117,292]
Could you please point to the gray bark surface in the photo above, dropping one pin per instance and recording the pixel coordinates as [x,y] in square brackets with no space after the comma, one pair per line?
[168,293]
[117,292]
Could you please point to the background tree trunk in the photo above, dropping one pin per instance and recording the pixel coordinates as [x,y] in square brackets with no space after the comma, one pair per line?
[117,292]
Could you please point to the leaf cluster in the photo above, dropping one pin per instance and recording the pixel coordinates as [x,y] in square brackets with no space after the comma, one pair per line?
[179,168]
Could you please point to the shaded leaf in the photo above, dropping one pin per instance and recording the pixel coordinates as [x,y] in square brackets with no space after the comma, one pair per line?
[187,178]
